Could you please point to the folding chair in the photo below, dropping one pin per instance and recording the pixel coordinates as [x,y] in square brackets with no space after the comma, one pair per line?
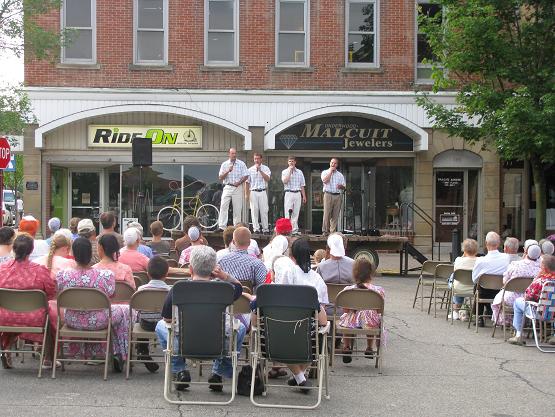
[148,301]
[286,333]
[487,282]
[442,274]
[517,284]
[123,292]
[138,281]
[544,312]
[248,284]
[172,263]
[333,290]
[242,306]
[25,301]
[463,277]
[360,299]
[202,309]
[426,279]
[82,299]
[143,277]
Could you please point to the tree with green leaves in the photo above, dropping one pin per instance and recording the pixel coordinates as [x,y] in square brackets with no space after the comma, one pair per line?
[499,55]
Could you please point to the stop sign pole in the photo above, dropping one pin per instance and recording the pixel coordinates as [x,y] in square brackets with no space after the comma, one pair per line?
[5,155]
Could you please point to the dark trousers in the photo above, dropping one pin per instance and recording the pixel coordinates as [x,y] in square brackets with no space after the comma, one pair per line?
[483,293]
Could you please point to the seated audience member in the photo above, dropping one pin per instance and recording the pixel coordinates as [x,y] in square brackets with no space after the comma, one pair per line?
[83,276]
[253,249]
[547,273]
[282,270]
[57,258]
[304,275]
[158,246]
[279,246]
[338,269]
[466,261]
[547,247]
[510,247]
[495,263]
[145,250]
[86,229]
[7,235]
[129,255]
[184,242]
[529,266]
[73,222]
[240,264]
[363,273]
[30,225]
[203,268]
[319,256]
[22,274]
[54,225]
[227,237]
[108,250]
[108,220]
[196,240]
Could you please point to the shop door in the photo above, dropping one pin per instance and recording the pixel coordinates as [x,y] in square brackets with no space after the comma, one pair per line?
[456,204]
[85,195]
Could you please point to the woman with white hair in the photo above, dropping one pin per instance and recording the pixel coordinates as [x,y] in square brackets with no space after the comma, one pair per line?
[547,247]
[529,266]
[129,255]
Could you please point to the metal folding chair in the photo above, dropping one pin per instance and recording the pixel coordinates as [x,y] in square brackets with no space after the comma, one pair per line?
[487,282]
[542,313]
[426,279]
[517,284]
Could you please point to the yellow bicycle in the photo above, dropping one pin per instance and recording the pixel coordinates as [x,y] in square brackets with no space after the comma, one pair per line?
[172,216]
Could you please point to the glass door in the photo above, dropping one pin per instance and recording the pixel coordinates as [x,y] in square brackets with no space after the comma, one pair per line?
[85,195]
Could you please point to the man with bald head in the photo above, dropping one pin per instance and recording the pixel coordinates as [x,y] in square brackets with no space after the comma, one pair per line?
[495,263]
[233,173]
[240,264]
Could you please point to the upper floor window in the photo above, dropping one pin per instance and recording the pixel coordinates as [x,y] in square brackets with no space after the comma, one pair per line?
[150,32]
[361,38]
[79,24]
[292,46]
[221,33]
[424,54]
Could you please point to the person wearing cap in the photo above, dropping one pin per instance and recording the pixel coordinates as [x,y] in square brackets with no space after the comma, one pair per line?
[547,247]
[144,249]
[233,173]
[293,184]
[86,229]
[54,225]
[283,227]
[129,255]
[257,194]
[338,269]
[196,240]
[29,224]
[334,184]
[529,266]
[510,247]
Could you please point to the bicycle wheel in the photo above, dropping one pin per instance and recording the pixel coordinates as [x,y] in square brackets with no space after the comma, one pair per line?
[207,215]
[170,218]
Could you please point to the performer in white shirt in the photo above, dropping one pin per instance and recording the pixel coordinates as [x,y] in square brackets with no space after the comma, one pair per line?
[294,183]
[257,194]
[334,184]
[233,173]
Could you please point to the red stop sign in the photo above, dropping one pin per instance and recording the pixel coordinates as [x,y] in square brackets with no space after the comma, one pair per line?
[5,153]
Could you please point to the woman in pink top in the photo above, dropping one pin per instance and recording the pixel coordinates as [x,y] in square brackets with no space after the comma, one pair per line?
[57,258]
[130,255]
[108,250]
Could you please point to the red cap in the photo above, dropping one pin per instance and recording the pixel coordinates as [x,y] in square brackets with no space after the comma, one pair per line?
[283,226]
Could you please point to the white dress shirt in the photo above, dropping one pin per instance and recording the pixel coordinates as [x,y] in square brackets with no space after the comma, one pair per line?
[239,171]
[256,180]
[494,262]
[296,181]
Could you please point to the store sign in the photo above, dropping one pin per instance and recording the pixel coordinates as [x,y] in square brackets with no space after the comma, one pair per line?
[343,133]
[189,137]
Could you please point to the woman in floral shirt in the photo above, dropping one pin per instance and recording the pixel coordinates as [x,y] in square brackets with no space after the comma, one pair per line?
[104,280]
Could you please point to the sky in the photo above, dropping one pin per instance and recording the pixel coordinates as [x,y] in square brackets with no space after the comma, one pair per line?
[11,69]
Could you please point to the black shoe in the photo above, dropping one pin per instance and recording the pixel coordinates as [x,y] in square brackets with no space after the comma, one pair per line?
[215,383]
[183,376]
[151,366]
[117,363]
[481,322]
[306,383]
[347,356]
[292,382]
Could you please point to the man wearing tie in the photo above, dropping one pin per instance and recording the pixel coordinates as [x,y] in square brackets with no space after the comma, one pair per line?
[334,183]
[293,183]
[233,173]
[257,184]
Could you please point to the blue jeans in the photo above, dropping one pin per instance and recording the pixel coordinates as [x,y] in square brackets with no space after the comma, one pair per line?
[518,317]
[456,299]
[222,366]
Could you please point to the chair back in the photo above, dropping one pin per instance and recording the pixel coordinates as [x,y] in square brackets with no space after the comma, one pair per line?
[360,299]
[333,290]
[201,309]
[443,271]
[546,303]
[123,291]
[490,281]
[138,281]
[242,305]
[463,276]
[22,301]
[149,300]
[84,299]
[143,276]
[518,284]
[287,315]
[172,263]
[429,267]
[247,284]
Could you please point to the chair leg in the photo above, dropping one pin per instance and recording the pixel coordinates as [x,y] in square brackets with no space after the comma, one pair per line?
[129,350]
[431,296]
[477,314]
[55,355]
[108,350]
[416,293]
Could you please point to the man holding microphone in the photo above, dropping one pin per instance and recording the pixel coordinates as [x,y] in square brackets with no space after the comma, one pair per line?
[334,183]
[293,183]
[233,173]
[257,184]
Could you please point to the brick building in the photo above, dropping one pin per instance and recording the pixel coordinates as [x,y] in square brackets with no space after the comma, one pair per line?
[313,78]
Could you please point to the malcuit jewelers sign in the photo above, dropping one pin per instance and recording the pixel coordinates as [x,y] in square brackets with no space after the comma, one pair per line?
[343,133]
[189,137]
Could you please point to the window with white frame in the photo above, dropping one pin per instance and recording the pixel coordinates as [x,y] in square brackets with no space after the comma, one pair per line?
[221,33]
[151,32]
[292,33]
[424,54]
[79,25]
[361,48]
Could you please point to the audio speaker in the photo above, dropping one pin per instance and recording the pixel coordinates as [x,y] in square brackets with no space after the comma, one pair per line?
[142,152]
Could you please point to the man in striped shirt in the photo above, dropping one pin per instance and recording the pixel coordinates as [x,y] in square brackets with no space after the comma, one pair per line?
[257,184]
[233,173]
[293,183]
[334,184]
